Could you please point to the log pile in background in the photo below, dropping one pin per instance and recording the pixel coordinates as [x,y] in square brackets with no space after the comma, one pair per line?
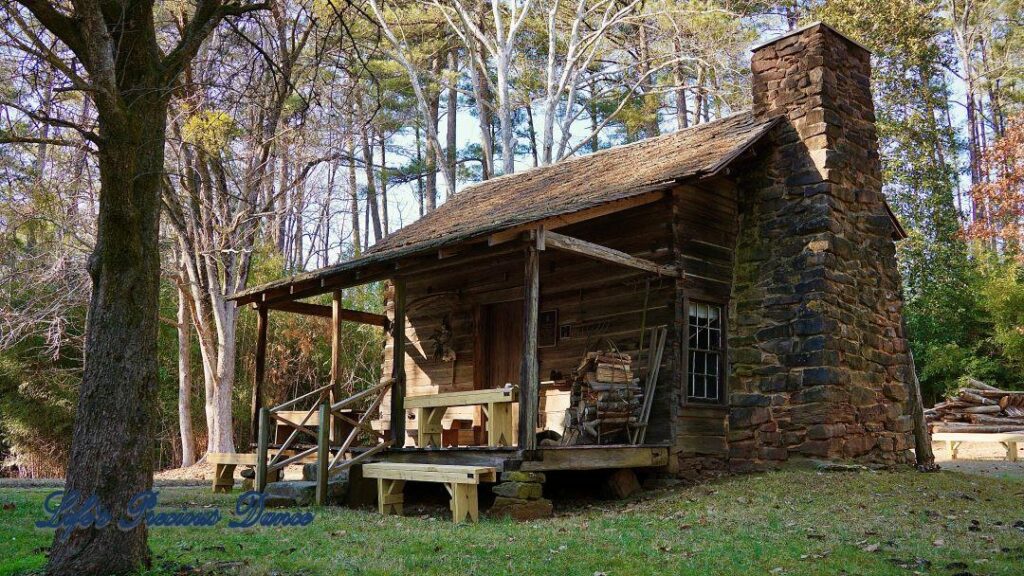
[978,407]
[606,399]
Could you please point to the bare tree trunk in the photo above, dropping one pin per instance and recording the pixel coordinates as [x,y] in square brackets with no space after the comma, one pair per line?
[419,172]
[226,316]
[353,195]
[188,439]
[533,134]
[373,210]
[680,76]
[453,114]
[384,183]
[508,137]
[433,154]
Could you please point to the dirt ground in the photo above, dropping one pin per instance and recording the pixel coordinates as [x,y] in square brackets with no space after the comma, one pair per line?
[986,459]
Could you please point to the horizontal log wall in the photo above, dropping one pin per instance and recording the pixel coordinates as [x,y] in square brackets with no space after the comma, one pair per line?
[705,224]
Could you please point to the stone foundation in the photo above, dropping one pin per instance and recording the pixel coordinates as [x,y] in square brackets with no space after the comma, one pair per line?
[818,356]
[520,496]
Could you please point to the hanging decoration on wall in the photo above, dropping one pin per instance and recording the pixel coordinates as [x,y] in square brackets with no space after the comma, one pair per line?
[441,340]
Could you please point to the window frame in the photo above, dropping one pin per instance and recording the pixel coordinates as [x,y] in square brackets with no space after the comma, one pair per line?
[723,351]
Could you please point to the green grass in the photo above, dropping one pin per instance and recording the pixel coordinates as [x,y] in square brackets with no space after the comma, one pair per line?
[790,522]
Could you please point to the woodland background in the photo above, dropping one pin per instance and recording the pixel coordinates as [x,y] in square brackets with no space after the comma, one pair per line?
[305,132]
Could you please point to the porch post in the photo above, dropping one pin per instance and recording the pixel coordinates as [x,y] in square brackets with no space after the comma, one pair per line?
[529,381]
[260,371]
[335,393]
[398,366]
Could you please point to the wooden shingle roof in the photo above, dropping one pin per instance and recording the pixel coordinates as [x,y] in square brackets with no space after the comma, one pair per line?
[583,182]
[570,186]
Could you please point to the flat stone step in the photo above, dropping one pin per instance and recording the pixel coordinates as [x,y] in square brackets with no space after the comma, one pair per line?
[297,493]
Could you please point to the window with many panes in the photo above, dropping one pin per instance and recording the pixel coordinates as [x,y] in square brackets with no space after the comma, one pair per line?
[705,352]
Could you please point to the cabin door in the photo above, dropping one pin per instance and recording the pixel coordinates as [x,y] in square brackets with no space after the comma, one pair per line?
[501,344]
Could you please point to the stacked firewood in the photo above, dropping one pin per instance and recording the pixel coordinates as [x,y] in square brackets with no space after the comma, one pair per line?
[606,399]
[978,407]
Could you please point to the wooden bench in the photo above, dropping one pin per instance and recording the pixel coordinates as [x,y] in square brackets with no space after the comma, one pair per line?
[226,462]
[1008,439]
[460,481]
[430,411]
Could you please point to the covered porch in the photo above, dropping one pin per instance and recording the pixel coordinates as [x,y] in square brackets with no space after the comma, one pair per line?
[469,327]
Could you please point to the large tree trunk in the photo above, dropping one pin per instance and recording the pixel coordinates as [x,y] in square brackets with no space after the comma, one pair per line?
[188,440]
[112,445]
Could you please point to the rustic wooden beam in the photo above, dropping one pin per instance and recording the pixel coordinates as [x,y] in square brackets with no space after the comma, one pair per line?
[566,219]
[260,371]
[398,366]
[529,379]
[603,253]
[328,312]
[323,451]
[337,311]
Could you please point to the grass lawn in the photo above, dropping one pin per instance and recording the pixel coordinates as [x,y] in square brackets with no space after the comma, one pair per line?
[789,522]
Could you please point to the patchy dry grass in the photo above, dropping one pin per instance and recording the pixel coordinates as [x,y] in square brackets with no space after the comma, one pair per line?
[790,522]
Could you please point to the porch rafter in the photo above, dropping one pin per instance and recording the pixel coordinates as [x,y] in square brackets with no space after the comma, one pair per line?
[598,252]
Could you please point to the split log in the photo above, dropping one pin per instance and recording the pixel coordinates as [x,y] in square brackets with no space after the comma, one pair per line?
[991,409]
[973,398]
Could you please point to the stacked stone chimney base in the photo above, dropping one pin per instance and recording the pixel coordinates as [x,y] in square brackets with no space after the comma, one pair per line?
[819,361]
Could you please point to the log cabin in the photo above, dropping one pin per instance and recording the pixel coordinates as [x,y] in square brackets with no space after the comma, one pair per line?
[737,279]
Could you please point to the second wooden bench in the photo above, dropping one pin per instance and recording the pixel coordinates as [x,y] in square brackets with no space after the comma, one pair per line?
[460,481]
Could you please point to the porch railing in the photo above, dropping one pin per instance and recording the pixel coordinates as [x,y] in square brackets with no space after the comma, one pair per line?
[331,459]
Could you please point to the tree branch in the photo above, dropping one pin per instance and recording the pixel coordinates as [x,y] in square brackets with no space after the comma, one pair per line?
[208,14]
[62,26]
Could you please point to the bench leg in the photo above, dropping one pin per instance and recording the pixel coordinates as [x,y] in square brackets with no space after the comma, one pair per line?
[499,424]
[389,496]
[465,506]
[953,448]
[224,478]
[428,427]
[1011,451]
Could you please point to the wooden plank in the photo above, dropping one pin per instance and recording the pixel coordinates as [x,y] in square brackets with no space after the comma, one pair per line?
[336,330]
[529,379]
[323,450]
[456,468]
[263,439]
[296,416]
[245,459]
[398,367]
[322,311]
[605,254]
[259,374]
[430,473]
[596,458]
[466,398]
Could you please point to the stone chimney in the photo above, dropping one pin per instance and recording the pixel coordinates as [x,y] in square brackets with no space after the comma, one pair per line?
[817,352]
